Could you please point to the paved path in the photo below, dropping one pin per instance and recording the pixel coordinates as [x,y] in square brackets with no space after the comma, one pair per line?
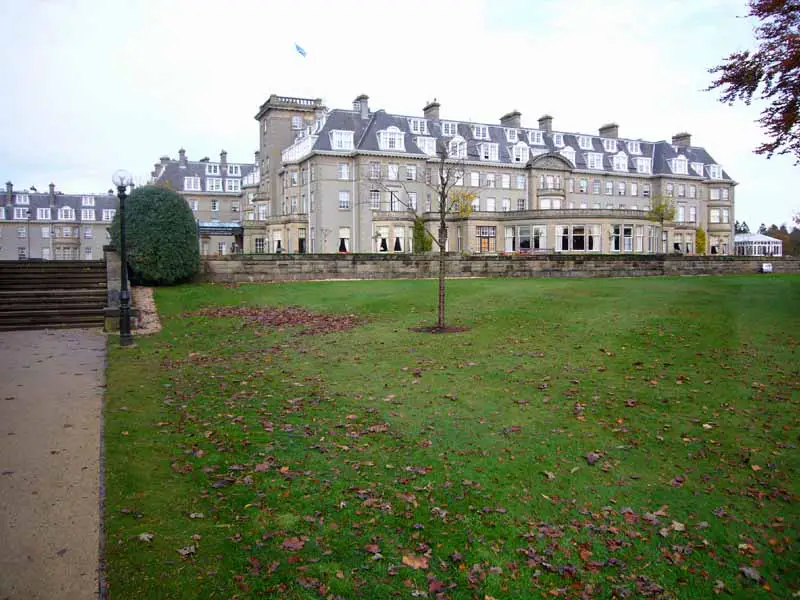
[50,401]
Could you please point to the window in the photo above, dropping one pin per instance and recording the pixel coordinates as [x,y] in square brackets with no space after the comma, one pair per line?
[449,129]
[391,139]
[511,135]
[233,185]
[88,233]
[235,207]
[476,204]
[259,245]
[545,204]
[474,179]
[108,214]
[293,204]
[43,214]
[714,215]
[634,148]
[215,206]
[609,188]
[297,123]
[505,204]
[713,194]
[191,184]
[393,172]
[487,238]
[212,169]
[66,213]
[669,191]
[394,201]
[679,165]
[375,199]
[194,204]
[87,253]
[344,239]
[45,232]
[692,191]
[646,190]
[480,132]
[726,215]
[21,213]
[634,189]
[234,170]
[489,152]
[412,201]
[715,171]
[583,185]
[505,181]
[2,213]
[595,186]
[521,204]
[491,204]
[22,254]
[411,173]
[620,162]
[594,160]
[585,142]
[569,154]
[418,126]
[457,148]
[344,171]
[558,140]
[87,214]
[520,182]
[725,195]
[535,138]
[609,145]
[213,184]
[344,200]
[490,180]
[697,167]
[22,233]
[620,188]
[427,145]
[342,140]
[23,199]
[644,165]
[520,152]
[692,214]
[374,170]
[428,202]
[680,213]
[87,201]
[681,190]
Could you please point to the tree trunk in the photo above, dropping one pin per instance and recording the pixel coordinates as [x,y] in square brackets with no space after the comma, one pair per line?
[442,268]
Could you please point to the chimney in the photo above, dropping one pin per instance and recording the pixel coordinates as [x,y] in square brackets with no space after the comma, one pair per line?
[257,157]
[156,170]
[511,120]
[682,139]
[546,123]
[52,187]
[164,159]
[9,191]
[361,104]
[110,192]
[431,110]
[182,158]
[609,130]
[223,158]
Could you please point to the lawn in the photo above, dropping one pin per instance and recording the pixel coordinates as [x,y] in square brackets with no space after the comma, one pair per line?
[583,439]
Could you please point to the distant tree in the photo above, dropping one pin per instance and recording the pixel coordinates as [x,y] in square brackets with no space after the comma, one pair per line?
[422,239]
[741,227]
[700,241]
[745,227]
[794,242]
[737,227]
[762,229]
[661,211]
[771,73]
[161,236]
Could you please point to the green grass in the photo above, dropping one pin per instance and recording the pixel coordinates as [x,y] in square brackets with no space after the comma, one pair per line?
[482,468]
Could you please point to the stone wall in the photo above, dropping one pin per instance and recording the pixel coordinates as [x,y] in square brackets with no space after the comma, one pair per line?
[296,267]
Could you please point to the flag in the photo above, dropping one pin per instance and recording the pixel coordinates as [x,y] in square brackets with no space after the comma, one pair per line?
[300,50]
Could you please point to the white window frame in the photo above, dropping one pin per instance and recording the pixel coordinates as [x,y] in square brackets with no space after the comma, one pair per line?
[714,172]
[233,185]
[66,213]
[392,139]
[191,184]
[411,173]
[620,162]
[449,129]
[419,126]
[634,147]
[87,200]
[234,171]
[609,144]
[474,179]
[714,215]
[512,135]
[457,148]
[520,153]
[679,165]
[343,171]
[714,194]
[297,123]
[22,199]
[213,184]
[585,142]
[697,167]
[520,183]
[212,169]
[87,214]
[594,160]
[393,172]
[644,165]
[535,137]
[341,139]
[46,232]
[558,140]
[505,181]
[491,204]
[480,132]
[344,200]
[108,214]
[490,152]
[568,153]
[43,214]
[427,145]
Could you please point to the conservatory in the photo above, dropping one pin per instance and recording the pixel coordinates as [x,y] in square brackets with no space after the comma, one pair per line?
[756,244]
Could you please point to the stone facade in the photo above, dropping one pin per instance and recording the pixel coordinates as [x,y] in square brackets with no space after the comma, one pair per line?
[330,184]
[296,267]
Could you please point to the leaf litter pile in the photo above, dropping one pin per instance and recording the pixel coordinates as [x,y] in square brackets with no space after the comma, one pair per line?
[285,316]
[387,464]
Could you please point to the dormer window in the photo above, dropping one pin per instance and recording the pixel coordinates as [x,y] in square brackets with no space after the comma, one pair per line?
[419,126]
[66,213]
[480,132]
[634,147]
[594,160]
[450,129]
[585,142]
[234,170]
[427,145]
[457,148]
[536,138]
[520,152]
[87,201]
[569,154]
[609,145]
[22,199]
[697,167]
[558,141]
[511,135]
[212,169]
[621,162]
[644,165]
[392,139]
[489,152]
[679,165]
[715,171]
[341,140]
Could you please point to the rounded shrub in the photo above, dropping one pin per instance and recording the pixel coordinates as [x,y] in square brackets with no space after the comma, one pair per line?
[161,237]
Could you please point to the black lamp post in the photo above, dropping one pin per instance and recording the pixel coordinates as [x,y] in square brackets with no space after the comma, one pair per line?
[122,179]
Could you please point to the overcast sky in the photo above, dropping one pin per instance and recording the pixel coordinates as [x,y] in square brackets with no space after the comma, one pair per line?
[90,86]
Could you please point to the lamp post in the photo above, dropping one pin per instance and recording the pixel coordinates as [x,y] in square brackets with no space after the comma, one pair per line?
[122,179]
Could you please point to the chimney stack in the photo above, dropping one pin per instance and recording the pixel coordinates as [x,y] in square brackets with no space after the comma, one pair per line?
[431,110]
[511,120]
[546,123]
[682,139]
[223,158]
[52,187]
[9,191]
[257,157]
[182,158]
[361,104]
[164,159]
[610,130]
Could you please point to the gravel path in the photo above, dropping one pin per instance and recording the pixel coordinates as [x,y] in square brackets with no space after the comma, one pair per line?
[50,421]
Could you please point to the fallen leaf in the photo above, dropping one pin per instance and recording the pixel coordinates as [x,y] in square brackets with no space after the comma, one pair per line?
[295,543]
[678,526]
[145,537]
[755,467]
[593,457]
[196,515]
[415,562]
[750,573]
[187,551]
[549,474]
[372,548]
[719,586]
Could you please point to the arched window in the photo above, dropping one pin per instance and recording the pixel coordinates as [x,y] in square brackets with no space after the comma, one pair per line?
[520,152]
[391,138]
[680,165]
[620,161]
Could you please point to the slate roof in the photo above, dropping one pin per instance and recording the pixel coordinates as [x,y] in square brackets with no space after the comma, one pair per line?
[75,201]
[173,174]
[366,140]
